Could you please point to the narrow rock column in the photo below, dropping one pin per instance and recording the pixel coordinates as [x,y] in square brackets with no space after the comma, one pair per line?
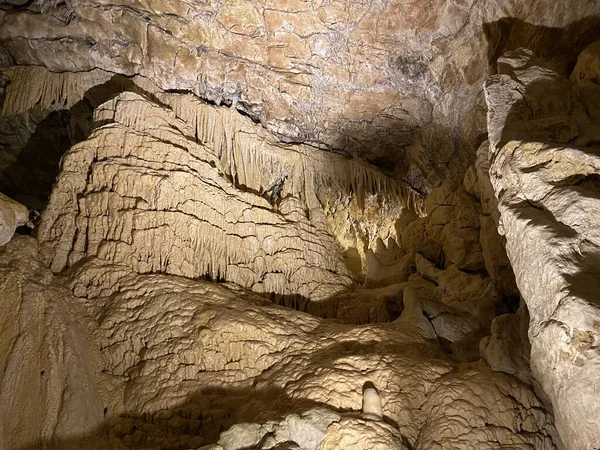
[371,402]
[545,170]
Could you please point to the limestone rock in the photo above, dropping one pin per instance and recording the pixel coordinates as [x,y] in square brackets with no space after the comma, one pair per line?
[588,64]
[507,349]
[12,215]
[548,201]
[178,355]
[496,260]
[395,81]
[50,383]
[388,264]
[144,193]
[355,433]
[453,220]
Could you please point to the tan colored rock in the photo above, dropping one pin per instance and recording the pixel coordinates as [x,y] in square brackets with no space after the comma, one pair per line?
[354,433]
[50,385]
[477,183]
[453,221]
[588,64]
[373,78]
[548,201]
[496,260]
[507,349]
[264,371]
[171,209]
[12,215]
[165,360]
[388,264]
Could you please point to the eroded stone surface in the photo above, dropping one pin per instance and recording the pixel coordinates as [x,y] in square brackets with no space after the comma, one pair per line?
[545,170]
[177,361]
[395,81]
[12,215]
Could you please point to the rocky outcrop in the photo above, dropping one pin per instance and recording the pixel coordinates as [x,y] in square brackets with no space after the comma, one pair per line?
[50,379]
[144,315]
[545,170]
[140,191]
[172,362]
[12,215]
[394,81]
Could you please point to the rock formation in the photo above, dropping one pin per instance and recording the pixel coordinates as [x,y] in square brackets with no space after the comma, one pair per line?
[289,225]
[171,362]
[392,81]
[12,215]
[545,167]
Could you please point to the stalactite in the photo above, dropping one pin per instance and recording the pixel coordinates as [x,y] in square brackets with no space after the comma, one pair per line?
[244,151]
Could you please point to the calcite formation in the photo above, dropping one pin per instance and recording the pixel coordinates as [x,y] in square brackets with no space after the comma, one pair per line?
[12,215]
[545,171]
[398,82]
[289,225]
[142,192]
[166,189]
[123,360]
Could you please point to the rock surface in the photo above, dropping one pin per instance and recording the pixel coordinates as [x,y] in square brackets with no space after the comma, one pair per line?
[545,171]
[143,314]
[397,82]
[140,191]
[171,362]
[12,215]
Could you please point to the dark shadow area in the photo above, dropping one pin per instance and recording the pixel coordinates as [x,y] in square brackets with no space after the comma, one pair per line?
[561,44]
[195,422]
[29,179]
[201,417]
[585,284]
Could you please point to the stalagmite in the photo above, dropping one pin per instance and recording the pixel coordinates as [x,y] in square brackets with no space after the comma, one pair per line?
[371,407]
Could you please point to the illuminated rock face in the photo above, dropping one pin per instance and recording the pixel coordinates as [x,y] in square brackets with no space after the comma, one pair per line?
[12,215]
[141,192]
[545,170]
[164,190]
[394,81]
[148,309]
[122,360]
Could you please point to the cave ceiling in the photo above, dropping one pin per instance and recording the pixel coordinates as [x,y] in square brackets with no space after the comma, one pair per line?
[398,83]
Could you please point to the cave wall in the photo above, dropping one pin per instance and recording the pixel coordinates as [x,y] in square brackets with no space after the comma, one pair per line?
[162,181]
[544,145]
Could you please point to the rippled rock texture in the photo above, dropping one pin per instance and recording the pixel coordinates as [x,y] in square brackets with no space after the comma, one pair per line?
[125,347]
[200,165]
[108,358]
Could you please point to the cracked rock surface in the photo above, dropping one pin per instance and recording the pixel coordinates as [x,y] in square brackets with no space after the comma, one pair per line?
[397,82]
